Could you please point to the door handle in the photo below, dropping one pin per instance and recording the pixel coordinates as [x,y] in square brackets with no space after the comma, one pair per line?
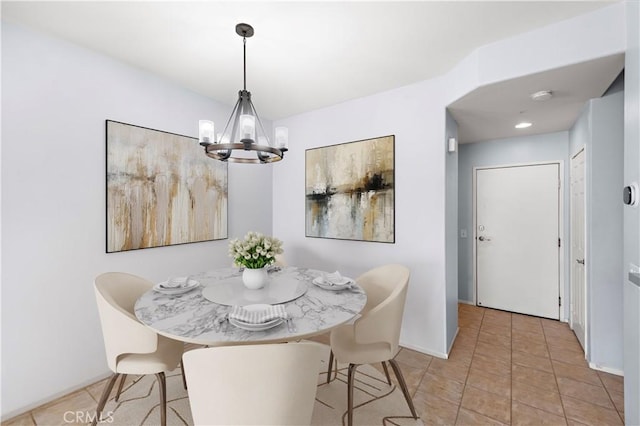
[483,238]
[580,261]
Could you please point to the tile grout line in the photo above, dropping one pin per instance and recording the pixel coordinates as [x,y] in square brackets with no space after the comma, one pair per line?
[511,371]
[603,386]
[555,376]
[509,327]
[421,379]
[469,370]
[606,389]
[538,388]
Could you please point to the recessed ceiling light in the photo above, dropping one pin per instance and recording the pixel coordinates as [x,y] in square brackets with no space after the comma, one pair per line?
[542,95]
[523,125]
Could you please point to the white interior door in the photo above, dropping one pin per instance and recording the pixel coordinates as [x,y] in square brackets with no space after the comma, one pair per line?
[517,239]
[578,277]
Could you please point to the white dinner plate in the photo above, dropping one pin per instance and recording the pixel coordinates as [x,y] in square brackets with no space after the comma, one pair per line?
[256,327]
[160,287]
[320,282]
[253,326]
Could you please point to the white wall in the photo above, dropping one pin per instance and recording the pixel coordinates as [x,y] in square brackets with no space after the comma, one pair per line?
[606,236]
[631,215]
[451,231]
[599,129]
[415,115]
[55,99]
[592,35]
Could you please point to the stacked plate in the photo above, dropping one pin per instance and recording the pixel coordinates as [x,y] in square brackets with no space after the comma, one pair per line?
[252,326]
[165,288]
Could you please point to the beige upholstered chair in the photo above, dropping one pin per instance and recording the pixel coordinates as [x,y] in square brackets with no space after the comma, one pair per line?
[271,384]
[131,347]
[281,261]
[375,336]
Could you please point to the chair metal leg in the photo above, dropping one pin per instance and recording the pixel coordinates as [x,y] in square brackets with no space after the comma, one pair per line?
[403,386]
[386,372]
[330,367]
[122,379]
[162,385]
[184,378]
[105,396]
[350,380]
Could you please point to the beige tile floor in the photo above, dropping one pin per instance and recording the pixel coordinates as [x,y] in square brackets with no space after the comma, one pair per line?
[504,369]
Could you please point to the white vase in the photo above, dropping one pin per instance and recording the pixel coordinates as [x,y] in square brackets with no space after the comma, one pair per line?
[254,279]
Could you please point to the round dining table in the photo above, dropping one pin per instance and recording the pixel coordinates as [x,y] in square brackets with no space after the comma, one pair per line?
[200,315]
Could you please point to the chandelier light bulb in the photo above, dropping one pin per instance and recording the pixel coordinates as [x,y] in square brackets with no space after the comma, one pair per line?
[247,127]
[206,131]
[282,137]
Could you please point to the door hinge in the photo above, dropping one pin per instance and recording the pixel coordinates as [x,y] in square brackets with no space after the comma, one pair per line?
[558,242]
[559,301]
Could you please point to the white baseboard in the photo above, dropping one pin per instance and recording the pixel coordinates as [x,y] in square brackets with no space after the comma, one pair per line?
[468,302]
[609,370]
[424,350]
[41,402]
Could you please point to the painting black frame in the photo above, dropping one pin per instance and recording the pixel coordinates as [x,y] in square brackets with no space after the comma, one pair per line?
[180,156]
[381,180]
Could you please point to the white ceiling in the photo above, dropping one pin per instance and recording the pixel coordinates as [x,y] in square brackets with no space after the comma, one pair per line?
[304,55]
[492,111]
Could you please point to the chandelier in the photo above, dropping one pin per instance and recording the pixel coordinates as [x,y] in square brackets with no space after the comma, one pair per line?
[243,139]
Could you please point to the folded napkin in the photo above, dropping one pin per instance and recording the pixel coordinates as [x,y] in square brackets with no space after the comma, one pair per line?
[336,279]
[176,282]
[239,313]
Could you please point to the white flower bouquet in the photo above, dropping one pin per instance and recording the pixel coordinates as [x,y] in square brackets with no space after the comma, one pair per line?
[255,250]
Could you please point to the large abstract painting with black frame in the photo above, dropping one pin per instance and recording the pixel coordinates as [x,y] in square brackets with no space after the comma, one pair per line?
[161,190]
[350,190]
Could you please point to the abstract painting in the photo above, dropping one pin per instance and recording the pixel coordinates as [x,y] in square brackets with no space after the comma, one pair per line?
[350,191]
[161,190]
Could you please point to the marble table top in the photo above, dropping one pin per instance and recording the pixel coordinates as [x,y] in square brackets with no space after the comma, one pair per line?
[190,317]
